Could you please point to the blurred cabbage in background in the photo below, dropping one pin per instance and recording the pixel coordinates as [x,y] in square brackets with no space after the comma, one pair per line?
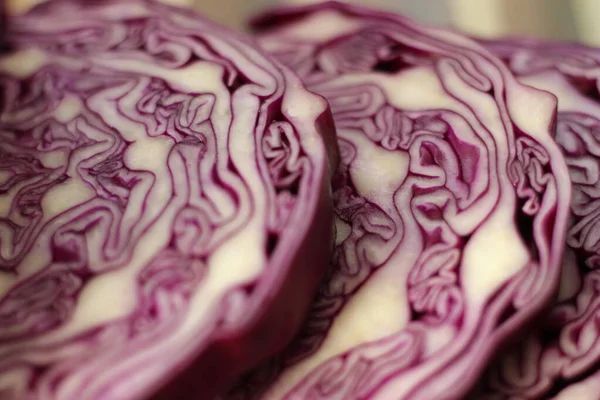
[552,19]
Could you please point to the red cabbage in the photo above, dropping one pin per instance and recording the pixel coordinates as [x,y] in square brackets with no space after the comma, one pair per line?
[565,348]
[451,200]
[165,209]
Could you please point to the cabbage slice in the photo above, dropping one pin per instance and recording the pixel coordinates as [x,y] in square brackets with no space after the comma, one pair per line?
[561,356]
[451,200]
[165,210]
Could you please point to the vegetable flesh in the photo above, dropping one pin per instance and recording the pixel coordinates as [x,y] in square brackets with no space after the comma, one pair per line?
[165,210]
[561,356]
[451,202]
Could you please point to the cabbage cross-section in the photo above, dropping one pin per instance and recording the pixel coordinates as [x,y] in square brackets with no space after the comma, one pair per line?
[451,203]
[165,215]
